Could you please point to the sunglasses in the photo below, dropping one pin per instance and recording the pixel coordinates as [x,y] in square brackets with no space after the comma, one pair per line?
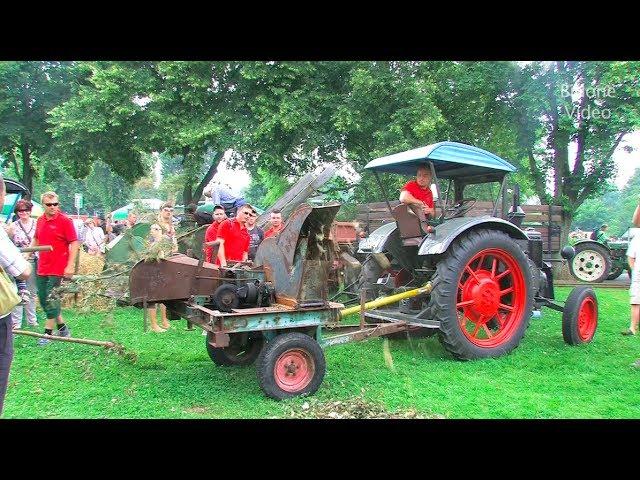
[22,211]
[55,204]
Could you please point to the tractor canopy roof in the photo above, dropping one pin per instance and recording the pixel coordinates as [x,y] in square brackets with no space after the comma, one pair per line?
[450,160]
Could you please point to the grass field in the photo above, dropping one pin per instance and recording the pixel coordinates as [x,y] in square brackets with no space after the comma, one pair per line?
[173,377]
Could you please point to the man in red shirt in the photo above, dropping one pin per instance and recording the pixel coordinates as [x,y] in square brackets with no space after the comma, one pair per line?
[211,235]
[276,224]
[233,238]
[56,229]
[417,193]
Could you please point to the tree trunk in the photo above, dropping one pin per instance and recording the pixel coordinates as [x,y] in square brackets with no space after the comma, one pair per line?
[213,169]
[27,169]
[187,193]
[565,227]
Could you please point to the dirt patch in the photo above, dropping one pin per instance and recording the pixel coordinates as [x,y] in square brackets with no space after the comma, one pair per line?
[197,409]
[353,408]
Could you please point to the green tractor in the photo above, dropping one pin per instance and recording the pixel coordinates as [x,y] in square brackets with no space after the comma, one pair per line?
[599,259]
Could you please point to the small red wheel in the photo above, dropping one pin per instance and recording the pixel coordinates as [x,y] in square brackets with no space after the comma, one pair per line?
[580,316]
[291,364]
[293,370]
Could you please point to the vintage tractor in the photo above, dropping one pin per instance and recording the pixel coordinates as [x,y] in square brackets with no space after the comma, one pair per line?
[488,275]
[596,261]
[474,281]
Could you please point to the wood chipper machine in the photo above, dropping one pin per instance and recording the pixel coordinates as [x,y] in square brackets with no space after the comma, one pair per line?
[274,312]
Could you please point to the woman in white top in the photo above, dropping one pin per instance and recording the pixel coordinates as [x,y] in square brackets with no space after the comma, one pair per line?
[21,233]
[94,239]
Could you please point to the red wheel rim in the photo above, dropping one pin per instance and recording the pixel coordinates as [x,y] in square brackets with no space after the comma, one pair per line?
[293,370]
[491,298]
[587,319]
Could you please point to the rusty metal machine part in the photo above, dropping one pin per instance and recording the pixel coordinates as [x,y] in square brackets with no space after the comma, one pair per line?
[180,277]
[297,259]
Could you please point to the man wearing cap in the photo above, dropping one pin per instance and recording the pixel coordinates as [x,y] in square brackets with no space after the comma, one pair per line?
[56,229]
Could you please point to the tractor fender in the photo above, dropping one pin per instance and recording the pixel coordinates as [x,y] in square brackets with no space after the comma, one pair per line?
[591,242]
[447,232]
[376,241]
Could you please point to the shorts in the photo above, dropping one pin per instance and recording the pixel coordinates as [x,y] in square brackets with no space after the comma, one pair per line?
[45,284]
[634,290]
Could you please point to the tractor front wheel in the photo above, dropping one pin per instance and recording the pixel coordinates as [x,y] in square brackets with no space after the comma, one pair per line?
[580,316]
[483,295]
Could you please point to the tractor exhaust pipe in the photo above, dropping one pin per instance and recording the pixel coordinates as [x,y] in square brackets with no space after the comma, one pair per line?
[380,302]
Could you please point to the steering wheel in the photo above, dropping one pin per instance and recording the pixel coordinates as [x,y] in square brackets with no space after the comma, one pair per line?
[460,208]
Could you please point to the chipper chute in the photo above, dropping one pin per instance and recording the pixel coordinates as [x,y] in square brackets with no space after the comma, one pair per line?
[296,261]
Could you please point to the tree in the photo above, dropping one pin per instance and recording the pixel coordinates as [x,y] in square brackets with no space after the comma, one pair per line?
[126,109]
[564,106]
[102,190]
[29,91]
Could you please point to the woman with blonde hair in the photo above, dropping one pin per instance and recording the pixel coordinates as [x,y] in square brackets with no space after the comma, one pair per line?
[21,234]
[157,235]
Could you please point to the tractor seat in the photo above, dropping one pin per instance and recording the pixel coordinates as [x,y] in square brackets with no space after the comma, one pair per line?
[409,226]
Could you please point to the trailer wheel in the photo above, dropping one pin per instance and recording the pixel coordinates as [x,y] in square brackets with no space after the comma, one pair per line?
[290,365]
[591,262]
[483,295]
[240,352]
[580,316]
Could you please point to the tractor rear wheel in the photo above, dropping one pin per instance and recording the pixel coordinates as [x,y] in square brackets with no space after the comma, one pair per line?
[591,262]
[483,295]
[580,316]
[242,351]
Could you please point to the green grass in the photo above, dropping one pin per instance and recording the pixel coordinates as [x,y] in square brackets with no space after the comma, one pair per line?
[174,378]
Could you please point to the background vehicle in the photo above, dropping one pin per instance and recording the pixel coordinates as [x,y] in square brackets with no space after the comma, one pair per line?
[596,261]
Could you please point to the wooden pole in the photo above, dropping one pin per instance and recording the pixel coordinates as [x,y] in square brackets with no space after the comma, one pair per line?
[66,339]
[363,301]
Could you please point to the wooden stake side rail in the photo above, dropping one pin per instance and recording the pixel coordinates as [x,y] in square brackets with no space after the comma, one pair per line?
[546,219]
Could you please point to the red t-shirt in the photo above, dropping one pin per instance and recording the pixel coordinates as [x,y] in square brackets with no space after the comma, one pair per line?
[419,193]
[209,236]
[273,231]
[57,231]
[236,239]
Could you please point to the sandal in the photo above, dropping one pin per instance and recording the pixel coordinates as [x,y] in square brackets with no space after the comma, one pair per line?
[628,332]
